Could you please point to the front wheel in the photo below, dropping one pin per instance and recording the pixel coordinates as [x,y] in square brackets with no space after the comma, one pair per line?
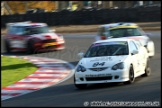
[30,47]
[131,76]
[79,86]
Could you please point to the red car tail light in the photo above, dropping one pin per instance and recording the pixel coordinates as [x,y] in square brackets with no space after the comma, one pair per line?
[103,37]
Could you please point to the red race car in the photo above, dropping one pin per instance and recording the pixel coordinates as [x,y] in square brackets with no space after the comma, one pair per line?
[32,37]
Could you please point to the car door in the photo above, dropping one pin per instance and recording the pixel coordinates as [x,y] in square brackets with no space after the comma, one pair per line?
[135,58]
[142,54]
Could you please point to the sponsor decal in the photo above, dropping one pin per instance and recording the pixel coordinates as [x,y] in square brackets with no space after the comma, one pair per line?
[102,59]
[97,75]
[136,38]
[110,43]
[98,64]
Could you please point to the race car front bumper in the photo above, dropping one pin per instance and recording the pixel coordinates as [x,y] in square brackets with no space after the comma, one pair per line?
[49,46]
[106,76]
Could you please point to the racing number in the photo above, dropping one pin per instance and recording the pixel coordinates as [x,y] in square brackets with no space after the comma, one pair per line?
[97,63]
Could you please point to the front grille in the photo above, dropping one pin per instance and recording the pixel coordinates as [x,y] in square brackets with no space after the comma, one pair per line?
[49,40]
[98,69]
[98,78]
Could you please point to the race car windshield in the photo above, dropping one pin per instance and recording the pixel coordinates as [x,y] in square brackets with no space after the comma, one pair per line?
[36,30]
[125,32]
[107,49]
[19,30]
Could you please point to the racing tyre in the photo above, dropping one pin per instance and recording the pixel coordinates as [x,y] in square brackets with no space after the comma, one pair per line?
[131,76]
[7,46]
[80,86]
[147,69]
[30,48]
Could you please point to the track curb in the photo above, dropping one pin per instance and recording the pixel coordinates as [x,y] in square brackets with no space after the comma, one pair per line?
[50,72]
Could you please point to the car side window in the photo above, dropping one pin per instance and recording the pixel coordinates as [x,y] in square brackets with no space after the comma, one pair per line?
[133,46]
[138,44]
[15,30]
[141,31]
[137,32]
[11,30]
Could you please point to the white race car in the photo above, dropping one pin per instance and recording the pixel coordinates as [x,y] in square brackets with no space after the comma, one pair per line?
[126,30]
[112,60]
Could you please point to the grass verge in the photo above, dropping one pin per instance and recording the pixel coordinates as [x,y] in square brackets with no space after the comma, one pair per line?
[14,69]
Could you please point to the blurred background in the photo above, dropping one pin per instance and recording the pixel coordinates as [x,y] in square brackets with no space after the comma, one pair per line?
[80,12]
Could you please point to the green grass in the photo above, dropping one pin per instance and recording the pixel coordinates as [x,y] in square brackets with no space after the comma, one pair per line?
[14,69]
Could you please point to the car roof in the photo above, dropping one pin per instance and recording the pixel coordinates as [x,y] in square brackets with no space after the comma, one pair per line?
[118,27]
[114,40]
[119,24]
[27,23]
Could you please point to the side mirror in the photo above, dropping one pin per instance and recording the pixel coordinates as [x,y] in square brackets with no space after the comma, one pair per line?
[53,30]
[81,55]
[145,46]
[134,52]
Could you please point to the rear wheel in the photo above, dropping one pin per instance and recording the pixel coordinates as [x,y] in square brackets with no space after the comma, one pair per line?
[7,46]
[131,76]
[147,69]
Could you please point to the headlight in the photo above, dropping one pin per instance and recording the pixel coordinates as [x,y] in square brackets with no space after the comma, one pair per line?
[81,68]
[118,66]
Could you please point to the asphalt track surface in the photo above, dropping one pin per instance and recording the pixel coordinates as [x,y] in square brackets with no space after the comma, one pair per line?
[65,94]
